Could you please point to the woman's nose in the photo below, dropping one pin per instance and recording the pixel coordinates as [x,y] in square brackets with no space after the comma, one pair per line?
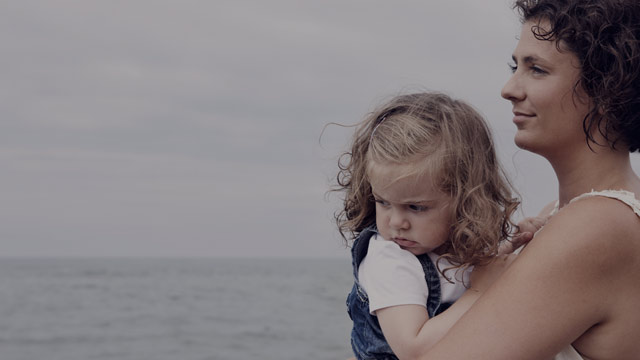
[512,90]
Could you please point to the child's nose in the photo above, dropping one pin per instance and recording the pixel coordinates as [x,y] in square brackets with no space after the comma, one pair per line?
[398,220]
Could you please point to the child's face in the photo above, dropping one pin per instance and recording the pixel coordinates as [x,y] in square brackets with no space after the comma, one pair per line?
[410,211]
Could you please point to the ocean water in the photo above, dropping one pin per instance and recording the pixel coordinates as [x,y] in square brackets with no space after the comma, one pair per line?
[161,309]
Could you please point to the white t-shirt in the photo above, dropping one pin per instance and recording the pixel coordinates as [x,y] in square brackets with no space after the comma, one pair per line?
[392,276]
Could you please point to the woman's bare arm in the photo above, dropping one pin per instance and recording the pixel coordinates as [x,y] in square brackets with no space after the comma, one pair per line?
[553,292]
[410,332]
[408,329]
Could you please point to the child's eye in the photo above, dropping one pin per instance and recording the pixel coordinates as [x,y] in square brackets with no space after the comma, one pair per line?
[417,208]
[382,202]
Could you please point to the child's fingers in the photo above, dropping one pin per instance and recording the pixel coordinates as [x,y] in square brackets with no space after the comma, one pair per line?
[509,246]
[538,222]
[527,225]
[506,247]
[532,224]
[526,229]
[522,238]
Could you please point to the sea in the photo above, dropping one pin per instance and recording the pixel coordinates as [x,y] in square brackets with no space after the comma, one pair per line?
[174,308]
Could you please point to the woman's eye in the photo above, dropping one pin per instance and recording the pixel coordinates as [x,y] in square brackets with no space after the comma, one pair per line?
[537,70]
[512,67]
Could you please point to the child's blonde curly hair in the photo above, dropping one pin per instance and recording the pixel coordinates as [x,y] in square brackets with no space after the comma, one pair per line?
[449,139]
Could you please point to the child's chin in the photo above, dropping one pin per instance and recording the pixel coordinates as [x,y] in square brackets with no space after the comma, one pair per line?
[416,251]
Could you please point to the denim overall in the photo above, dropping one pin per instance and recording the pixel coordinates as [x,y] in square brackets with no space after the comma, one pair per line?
[367,339]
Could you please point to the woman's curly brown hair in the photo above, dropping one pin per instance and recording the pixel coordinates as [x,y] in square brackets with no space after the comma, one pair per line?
[605,37]
[452,141]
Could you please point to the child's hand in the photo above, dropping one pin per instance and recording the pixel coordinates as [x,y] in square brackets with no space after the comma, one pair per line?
[526,229]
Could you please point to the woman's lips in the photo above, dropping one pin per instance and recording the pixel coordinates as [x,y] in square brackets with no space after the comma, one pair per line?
[519,117]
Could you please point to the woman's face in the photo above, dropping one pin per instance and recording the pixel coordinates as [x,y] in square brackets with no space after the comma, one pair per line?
[546,111]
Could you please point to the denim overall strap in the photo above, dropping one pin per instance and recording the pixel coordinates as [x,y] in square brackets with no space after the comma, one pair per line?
[360,248]
[367,339]
[433,283]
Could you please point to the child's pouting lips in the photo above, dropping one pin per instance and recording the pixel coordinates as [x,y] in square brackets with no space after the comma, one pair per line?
[404,242]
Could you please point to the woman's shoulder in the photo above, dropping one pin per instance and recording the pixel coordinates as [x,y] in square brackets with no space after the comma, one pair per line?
[599,226]
[604,254]
[584,254]
[602,212]
[626,197]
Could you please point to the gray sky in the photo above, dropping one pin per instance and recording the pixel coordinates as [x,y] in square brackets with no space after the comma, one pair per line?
[192,128]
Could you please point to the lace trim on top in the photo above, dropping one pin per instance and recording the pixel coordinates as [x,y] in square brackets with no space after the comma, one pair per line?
[626,197]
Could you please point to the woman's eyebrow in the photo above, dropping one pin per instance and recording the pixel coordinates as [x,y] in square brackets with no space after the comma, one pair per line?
[529,59]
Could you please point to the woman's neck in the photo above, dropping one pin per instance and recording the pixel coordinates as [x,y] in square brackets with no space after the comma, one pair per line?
[601,169]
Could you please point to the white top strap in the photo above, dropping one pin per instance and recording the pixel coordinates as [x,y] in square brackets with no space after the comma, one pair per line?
[568,353]
[626,197]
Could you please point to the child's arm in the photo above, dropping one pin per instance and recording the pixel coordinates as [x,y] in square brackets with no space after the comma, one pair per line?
[410,332]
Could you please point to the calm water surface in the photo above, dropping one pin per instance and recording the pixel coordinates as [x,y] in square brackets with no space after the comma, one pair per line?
[164,309]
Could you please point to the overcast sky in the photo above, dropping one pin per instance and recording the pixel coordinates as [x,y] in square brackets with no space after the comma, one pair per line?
[192,128]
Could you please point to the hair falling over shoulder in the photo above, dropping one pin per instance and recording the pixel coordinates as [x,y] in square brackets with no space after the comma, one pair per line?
[451,140]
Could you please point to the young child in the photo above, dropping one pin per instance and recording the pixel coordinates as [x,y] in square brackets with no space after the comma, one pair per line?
[424,194]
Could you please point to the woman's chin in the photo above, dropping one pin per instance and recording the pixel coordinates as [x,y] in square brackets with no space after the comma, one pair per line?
[520,142]
[531,147]
[523,142]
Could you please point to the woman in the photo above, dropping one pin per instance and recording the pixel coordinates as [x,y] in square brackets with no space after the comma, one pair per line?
[574,291]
